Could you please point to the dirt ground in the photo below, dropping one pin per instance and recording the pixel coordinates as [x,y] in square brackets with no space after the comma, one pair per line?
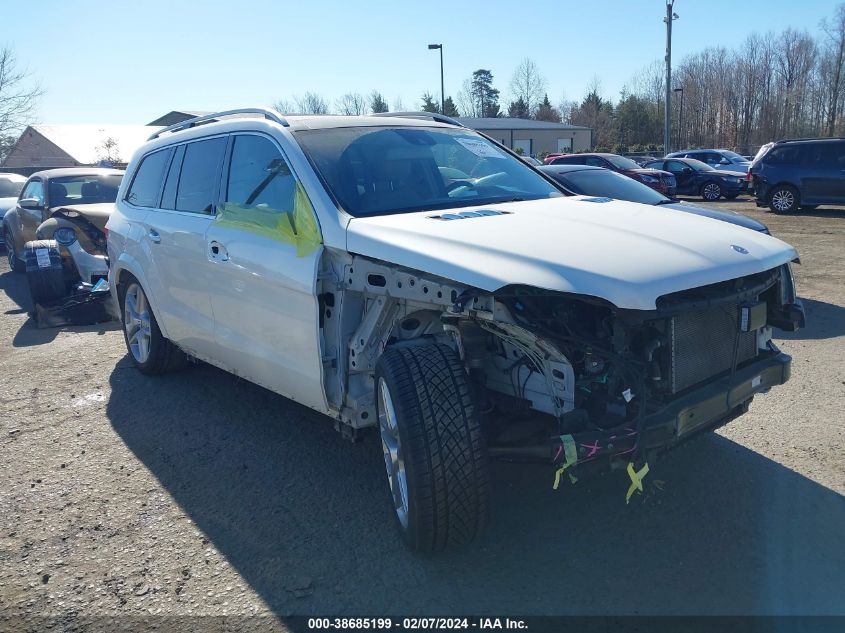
[201,494]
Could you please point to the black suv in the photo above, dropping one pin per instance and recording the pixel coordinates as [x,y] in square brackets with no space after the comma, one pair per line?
[799,173]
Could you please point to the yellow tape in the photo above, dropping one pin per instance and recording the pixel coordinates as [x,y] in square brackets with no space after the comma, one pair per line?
[636,480]
[297,227]
[570,453]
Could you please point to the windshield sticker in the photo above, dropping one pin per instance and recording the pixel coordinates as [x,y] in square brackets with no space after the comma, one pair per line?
[479,148]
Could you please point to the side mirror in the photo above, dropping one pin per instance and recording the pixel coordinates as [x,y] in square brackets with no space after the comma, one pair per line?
[686,170]
[30,203]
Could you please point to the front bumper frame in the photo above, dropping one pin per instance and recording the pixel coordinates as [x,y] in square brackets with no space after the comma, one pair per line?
[711,405]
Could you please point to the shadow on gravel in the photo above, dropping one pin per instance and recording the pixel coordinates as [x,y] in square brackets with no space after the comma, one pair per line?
[304,517]
[824,320]
[15,287]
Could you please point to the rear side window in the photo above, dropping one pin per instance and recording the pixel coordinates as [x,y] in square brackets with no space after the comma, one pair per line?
[200,171]
[785,155]
[146,185]
[568,160]
[168,198]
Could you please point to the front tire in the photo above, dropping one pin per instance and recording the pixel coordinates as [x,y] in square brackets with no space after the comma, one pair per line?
[711,191]
[434,451]
[784,199]
[12,253]
[151,353]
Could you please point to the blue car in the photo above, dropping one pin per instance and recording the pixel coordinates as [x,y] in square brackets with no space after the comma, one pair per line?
[722,159]
[802,173]
[694,178]
[582,180]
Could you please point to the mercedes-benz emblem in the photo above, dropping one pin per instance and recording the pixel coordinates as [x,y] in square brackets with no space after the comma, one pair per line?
[739,249]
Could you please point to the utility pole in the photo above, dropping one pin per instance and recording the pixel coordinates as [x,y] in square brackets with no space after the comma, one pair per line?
[667,119]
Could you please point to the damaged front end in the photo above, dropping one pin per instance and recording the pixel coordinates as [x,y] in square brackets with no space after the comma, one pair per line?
[589,386]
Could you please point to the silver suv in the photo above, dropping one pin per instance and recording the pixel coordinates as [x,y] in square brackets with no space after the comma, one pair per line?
[409,274]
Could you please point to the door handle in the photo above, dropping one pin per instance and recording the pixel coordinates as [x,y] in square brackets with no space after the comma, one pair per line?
[154,236]
[218,252]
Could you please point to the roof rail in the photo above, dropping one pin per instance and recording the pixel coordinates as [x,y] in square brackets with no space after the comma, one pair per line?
[812,138]
[433,116]
[267,113]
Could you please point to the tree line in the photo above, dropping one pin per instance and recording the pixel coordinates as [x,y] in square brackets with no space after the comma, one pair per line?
[773,86]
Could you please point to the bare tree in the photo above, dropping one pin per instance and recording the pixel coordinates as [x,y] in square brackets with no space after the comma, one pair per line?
[311,103]
[18,100]
[527,83]
[109,152]
[285,106]
[398,105]
[352,103]
[832,65]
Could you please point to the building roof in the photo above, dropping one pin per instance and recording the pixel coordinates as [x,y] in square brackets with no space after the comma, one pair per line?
[507,123]
[85,143]
[177,116]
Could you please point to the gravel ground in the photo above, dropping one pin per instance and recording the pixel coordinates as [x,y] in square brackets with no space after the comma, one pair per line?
[201,494]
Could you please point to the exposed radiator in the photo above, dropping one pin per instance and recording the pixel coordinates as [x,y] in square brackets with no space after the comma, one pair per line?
[703,344]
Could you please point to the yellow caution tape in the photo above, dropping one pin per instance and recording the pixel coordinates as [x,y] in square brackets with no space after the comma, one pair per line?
[297,226]
[570,453]
[636,480]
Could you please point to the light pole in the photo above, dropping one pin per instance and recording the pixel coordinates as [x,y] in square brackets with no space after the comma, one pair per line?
[432,47]
[680,116]
[670,17]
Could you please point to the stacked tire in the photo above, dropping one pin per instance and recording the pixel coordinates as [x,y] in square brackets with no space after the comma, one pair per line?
[44,272]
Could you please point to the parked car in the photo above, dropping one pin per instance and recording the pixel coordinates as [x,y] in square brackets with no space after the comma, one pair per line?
[532,161]
[721,159]
[641,160]
[74,197]
[582,180]
[804,173]
[657,179]
[694,178]
[329,260]
[10,188]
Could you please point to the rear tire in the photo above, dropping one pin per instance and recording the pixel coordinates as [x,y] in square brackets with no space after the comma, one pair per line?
[784,199]
[151,353]
[11,252]
[711,191]
[45,284]
[435,455]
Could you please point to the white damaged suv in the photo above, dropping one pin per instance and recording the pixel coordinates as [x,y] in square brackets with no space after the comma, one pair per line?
[407,273]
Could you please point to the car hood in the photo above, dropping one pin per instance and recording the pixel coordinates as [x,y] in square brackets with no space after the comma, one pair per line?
[724,172]
[725,216]
[626,253]
[98,214]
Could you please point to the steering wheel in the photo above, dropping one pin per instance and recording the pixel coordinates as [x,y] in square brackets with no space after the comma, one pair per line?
[456,184]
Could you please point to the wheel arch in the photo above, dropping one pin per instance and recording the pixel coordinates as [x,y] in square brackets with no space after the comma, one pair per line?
[125,267]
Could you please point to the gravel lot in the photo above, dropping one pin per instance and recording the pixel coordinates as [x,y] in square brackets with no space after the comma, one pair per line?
[201,494]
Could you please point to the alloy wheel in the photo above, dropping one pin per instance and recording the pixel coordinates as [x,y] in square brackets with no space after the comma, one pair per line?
[712,191]
[10,249]
[136,322]
[783,200]
[394,460]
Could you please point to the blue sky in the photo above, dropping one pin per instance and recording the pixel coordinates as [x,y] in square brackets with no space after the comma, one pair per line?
[129,62]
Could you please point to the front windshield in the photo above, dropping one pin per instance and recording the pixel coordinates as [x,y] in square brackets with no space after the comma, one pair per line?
[10,188]
[384,170]
[603,182]
[733,156]
[697,165]
[90,189]
[620,162]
